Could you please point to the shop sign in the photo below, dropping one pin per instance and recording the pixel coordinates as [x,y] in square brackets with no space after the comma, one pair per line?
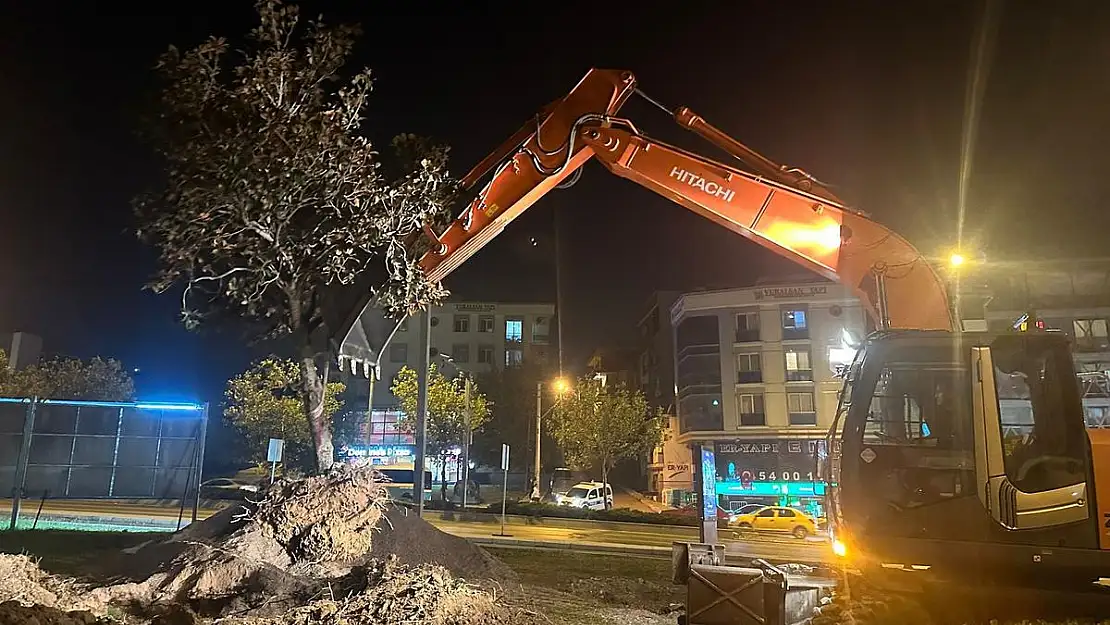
[790,292]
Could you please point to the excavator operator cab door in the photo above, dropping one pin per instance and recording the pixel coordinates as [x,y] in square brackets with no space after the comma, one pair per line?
[1032,440]
[957,440]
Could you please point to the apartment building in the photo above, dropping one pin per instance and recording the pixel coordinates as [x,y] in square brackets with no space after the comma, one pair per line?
[755,372]
[474,337]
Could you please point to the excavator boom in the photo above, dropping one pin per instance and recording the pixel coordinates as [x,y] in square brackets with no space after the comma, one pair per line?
[783,210]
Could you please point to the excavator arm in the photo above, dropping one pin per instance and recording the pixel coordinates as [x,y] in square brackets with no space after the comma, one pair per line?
[784,210]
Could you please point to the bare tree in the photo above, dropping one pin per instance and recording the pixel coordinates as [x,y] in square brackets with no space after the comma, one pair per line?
[273,194]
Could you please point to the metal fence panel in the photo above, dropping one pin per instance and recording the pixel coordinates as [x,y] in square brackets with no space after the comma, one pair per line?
[100,450]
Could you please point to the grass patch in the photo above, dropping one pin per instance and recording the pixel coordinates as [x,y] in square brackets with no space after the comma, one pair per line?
[74,554]
[613,580]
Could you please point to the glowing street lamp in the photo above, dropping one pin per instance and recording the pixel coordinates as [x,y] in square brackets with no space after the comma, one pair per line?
[956,260]
[561,386]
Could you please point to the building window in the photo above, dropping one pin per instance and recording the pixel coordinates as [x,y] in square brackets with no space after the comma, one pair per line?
[747,327]
[399,352]
[514,330]
[795,323]
[700,413]
[462,323]
[748,369]
[485,323]
[385,429]
[751,409]
[798,368]
[800,407]
[485,354]
[460,353]
[514,357]
[541,330]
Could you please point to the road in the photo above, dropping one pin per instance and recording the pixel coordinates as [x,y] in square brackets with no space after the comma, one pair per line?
[554,533]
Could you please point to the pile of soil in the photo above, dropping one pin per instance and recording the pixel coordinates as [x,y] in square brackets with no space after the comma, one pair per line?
[28,594]
[332,536]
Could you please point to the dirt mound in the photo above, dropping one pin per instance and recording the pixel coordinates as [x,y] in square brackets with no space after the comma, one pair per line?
[415,542]
[23,582]
[328,536]
[15,613]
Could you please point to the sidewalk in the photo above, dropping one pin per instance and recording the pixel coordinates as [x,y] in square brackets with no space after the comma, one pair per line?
[646,502]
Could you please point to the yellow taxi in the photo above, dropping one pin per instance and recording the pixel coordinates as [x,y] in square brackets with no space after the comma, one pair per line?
[778,519]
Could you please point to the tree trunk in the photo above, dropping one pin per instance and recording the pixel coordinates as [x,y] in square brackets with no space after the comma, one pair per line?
[315,384]
[443,478]
[605,484]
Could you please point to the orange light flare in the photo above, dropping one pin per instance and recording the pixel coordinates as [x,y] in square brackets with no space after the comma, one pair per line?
[819,242]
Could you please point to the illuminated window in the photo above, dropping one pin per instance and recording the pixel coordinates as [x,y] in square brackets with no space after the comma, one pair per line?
[386,428]
[794,319]
[514,330]
[798,367]
[514,357]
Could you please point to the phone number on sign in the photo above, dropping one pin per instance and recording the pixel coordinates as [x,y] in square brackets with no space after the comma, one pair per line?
[774,476]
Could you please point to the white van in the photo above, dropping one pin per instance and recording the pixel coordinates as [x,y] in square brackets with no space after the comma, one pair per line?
[588,495]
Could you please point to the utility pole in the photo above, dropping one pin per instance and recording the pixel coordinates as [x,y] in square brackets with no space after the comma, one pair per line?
[421,412]
[469,440]
[539,415]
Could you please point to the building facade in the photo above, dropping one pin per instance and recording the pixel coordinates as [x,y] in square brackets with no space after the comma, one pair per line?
[473,337]
[1072,296]
[755,373]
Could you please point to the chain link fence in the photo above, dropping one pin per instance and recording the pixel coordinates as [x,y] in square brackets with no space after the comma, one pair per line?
[58,449]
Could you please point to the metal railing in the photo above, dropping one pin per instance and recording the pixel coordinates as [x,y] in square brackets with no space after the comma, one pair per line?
[71,449]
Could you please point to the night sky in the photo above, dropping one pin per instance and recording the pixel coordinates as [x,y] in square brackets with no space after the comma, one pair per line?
[868,96]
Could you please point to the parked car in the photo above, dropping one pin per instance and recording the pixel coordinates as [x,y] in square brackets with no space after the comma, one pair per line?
[588,495]
[226,488]
[778,519]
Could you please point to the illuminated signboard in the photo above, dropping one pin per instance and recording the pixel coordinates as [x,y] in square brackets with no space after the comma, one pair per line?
[772,489]
[380,451]
[708,483]
[767,460]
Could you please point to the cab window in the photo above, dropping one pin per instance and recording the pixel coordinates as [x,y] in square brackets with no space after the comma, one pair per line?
[769,512]
[787,514]
[1043,436]
[593,494]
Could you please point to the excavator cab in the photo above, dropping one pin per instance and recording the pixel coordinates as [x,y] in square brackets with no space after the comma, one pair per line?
[965,456]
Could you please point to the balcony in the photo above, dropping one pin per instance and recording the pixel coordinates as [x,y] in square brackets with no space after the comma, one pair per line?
[805,375]
[803,418]
[747,336]
[753,419]
[794,334]
[749,377]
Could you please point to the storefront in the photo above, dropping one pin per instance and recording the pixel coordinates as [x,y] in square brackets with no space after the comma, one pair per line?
[379,455]
[770,471]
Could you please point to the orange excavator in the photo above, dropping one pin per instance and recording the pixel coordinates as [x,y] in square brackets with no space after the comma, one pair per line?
[954,454]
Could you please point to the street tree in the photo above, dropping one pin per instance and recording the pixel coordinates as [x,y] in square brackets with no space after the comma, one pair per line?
[511,392]
[96,379]
[596,425]
[274,196]
[264,402]
[450,419]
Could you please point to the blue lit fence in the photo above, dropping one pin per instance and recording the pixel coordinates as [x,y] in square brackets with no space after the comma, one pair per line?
[58,449]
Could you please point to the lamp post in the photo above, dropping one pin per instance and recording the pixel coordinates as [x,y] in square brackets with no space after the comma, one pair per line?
[468,415]
[561,386]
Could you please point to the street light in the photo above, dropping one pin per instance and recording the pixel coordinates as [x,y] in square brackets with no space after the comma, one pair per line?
[466,375]
[561,386]
[956,260]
